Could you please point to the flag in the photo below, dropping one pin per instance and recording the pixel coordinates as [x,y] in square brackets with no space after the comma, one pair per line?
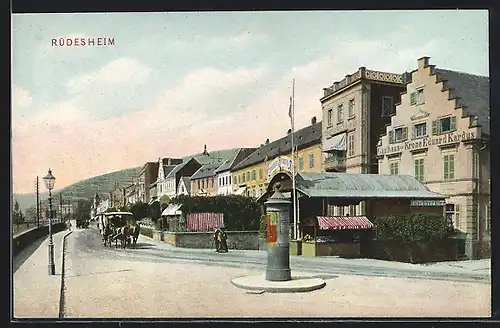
[290,109]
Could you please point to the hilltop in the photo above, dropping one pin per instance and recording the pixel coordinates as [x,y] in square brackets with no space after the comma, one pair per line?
[106,182]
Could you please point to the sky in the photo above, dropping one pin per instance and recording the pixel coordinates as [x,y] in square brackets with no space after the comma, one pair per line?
[173,82]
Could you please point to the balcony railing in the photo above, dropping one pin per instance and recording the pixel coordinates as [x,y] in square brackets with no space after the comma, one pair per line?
[335,163]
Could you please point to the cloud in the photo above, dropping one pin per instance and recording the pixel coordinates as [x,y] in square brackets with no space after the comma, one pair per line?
[187,115]
[21,98]
[117,72]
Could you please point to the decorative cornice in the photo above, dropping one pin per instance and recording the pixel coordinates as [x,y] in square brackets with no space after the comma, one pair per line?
[420,115]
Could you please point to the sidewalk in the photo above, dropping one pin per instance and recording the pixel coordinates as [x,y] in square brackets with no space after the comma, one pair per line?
[482,267]
[36,293]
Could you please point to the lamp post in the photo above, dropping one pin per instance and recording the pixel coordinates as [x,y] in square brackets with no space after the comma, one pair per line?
[49,181]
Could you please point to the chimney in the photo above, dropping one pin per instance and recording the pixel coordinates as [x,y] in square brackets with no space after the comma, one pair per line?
[313,120]
[289,131]
[267,141]
[423,62]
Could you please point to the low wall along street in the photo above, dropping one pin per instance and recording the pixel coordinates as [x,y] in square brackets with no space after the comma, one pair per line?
[248,240]
[20,241]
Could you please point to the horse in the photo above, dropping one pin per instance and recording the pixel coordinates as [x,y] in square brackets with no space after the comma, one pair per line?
[134,231]
[122,235]
[107,235]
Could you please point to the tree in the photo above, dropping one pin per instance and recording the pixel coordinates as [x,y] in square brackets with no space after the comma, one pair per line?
[140,210]
[17,214]
[30,214]
[155,211]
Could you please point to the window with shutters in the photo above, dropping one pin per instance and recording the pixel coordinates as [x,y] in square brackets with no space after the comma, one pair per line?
[413,98]
[202,184]
[243,177]
[350,145]
[260,174]
[301,163]
[394,167]
[352,210]
[351,108]
[311,160]
[449,211]
[449,166]
[387,106]
[420,130]
[444,125]
[340,114]
[418,165]
[330,116]
[248,176]
[457,216]
[199,184]
[475,164]
[399,134]
[254,175]
[420,96]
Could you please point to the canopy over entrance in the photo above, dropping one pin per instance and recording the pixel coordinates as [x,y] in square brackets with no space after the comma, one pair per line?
[344,222]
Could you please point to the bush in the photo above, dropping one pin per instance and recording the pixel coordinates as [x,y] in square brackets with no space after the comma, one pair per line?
[240,213]
[147,232]
[416,227]
[263,225]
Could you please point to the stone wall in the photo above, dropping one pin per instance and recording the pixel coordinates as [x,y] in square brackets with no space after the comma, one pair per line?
[235,239]
[24,239]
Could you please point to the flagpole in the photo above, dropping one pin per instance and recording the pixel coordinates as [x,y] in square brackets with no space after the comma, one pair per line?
[295,232]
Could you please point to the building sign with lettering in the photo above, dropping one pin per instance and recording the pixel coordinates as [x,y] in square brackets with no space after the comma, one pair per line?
[280,164]
[346,125]
[427,202]
[423,143]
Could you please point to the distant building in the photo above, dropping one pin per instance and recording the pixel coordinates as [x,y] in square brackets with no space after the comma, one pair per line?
[203,181]
[184,187]
[440,134]
[251,176]
[186,169]
[223,172]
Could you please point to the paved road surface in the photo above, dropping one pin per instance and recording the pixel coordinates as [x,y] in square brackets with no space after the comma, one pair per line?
[149,251]
[157,281]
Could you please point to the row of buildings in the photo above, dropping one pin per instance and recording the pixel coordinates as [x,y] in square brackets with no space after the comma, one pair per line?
[430,123]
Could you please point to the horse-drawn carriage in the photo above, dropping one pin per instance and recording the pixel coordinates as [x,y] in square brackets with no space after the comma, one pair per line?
[119,227]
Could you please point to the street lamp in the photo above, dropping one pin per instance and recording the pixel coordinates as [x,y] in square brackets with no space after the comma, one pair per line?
[49,181]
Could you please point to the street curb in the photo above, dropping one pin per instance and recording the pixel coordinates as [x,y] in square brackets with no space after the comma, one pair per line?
[61,292]
[261,285]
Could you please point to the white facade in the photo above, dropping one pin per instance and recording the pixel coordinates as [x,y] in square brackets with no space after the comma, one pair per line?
[224,183]
[182,188]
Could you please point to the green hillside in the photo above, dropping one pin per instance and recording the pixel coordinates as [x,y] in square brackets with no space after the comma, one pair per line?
[106,182]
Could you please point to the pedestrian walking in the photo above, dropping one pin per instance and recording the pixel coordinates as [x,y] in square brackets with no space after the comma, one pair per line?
[216,239]
[223,240]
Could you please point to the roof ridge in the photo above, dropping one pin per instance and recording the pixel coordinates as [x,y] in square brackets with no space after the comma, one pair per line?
[460,72]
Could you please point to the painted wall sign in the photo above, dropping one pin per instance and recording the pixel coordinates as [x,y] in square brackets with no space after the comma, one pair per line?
[280,164]
[426,142]
[283,238]
[271,221]
[427,202]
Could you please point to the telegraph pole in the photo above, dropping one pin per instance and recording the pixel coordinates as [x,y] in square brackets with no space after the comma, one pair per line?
[37,203]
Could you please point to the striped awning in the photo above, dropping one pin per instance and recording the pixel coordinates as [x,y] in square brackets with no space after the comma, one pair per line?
[204,221]
[344,222]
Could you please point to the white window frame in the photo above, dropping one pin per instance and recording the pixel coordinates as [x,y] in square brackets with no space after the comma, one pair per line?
[420,96]
[351,110]
[449,159]
[330,117]
[415,130]
[311,160]
[350,144]
[394,164]
[421,175]
[340,113]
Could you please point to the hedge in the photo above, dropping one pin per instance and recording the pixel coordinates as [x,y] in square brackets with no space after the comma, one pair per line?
[416,227]
[147,232]
[240,213]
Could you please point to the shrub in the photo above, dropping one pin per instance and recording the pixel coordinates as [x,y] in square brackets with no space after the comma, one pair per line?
[147,232]
[416,227]
[263,225]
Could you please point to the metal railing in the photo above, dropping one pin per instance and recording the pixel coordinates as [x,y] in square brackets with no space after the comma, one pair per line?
[17,228]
